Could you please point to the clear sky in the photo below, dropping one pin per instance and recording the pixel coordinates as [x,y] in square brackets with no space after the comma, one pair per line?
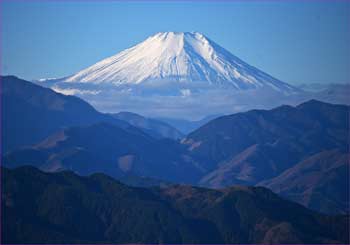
[297,42]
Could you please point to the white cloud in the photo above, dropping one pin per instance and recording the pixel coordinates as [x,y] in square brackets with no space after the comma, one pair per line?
[177,100]
[185,92]
[74,91]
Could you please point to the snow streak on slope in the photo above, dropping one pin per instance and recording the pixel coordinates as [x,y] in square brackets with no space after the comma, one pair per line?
[181,57]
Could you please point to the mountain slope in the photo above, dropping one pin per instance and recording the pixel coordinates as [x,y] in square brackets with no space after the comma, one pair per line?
[256,163]
[303,130]
[30,113]
[178,56]
[65,208]
[320,182]
[257,146]
[108,149]
[156,128]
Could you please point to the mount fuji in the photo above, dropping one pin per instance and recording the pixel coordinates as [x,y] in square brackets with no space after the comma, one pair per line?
[176,74]
[181,57]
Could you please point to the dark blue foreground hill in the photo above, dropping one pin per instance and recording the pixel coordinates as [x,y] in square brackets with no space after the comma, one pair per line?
[62,208]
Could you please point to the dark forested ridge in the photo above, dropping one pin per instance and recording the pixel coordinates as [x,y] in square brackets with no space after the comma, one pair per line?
[63,207]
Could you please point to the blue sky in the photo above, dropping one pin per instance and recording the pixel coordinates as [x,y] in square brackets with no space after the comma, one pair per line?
[297,42]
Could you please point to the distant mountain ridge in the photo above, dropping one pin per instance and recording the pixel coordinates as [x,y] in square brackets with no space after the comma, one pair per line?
[260,145]
[55,133]
[156,128]
[187,126]
[30,113]
[230,135]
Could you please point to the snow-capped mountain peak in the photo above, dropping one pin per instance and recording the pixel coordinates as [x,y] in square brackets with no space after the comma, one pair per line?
[177,56]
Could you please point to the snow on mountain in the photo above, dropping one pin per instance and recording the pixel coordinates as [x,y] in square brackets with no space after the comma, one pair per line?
[176,75]
[181,57]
